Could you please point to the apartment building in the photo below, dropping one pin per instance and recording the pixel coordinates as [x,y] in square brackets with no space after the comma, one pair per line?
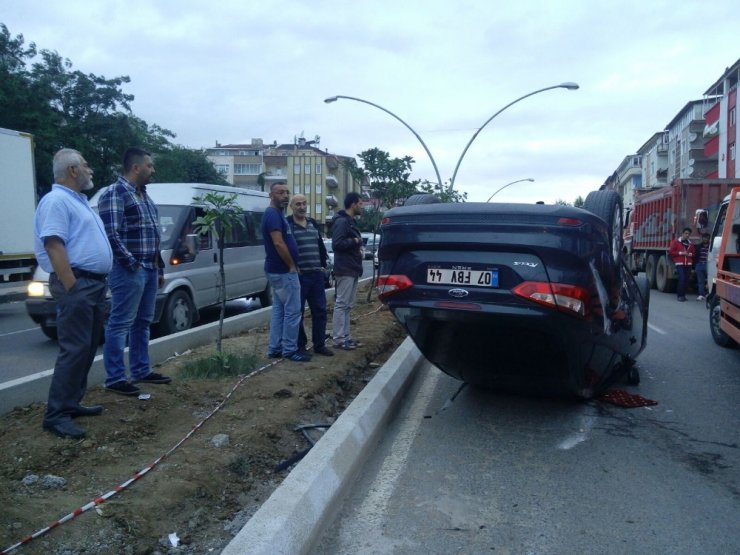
[319,175]
[654,167]
[686,157]
[720,130]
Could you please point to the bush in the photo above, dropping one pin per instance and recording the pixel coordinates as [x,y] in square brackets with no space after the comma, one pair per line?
[220,366]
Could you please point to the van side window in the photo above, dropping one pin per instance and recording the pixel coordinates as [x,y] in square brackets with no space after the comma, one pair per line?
[255,222]
[238,235]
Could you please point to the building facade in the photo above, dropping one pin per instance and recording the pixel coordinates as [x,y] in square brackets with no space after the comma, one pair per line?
[720,131]
[322,177]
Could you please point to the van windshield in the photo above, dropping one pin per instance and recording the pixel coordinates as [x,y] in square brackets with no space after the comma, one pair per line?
[174,223]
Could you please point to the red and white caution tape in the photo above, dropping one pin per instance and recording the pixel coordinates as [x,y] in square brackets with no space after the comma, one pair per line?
[103,498]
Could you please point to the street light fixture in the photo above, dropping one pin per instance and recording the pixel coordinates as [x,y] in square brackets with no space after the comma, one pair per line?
[505,186]
[337,97]
[567,85]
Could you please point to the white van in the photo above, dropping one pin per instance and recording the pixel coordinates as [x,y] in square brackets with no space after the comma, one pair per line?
[191,261]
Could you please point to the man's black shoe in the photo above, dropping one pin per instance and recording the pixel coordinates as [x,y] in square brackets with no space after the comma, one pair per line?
[123,388]
[274,355]
[153,377]
[65,429]
[323,350]
[94,410]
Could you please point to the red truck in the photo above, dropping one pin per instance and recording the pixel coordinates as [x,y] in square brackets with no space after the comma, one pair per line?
[658,216]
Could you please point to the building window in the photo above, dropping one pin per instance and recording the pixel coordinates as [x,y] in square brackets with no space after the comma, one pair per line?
[296,189]
[318,168]
[307,169]
[223,169]
[247,169]
[296,168]
[307,189]
[317,208]
[732,117]
[318,188]
[732,151]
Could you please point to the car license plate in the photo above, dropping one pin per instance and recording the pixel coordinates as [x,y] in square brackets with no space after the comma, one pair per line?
[477,278]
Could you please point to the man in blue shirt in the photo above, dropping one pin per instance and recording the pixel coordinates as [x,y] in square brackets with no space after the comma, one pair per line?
[281,254]
[132,224]
[70,243]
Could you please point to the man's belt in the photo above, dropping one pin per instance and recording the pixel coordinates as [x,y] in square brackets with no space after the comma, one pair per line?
[78,273]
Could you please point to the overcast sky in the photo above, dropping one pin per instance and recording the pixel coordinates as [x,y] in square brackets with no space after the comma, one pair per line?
[230,71]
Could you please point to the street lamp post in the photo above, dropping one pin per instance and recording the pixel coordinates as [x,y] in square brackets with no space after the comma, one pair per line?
[505,186]
[337,97]
[567,85]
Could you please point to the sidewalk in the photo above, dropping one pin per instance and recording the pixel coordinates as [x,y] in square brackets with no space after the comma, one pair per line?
[13,291]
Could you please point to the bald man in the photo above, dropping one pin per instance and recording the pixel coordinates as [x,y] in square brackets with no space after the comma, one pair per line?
[312,259]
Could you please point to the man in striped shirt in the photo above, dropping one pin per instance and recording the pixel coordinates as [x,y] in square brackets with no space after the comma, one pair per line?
[312,258]
[131,222]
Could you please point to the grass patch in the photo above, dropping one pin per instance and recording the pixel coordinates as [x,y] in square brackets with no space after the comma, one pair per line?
[224,366]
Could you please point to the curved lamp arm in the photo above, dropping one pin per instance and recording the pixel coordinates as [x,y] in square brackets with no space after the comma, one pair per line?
[436,171]
[505,186]
[567,85]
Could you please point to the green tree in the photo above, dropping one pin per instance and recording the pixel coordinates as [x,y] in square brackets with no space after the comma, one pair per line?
[184,165]
[562,202]
[443,191]
[387,178]
[41,94]
[578,203]
[222,214]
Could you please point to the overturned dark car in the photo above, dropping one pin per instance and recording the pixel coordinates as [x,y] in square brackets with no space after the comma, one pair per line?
[527,298]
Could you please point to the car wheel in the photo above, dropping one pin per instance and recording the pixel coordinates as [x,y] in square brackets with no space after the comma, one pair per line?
[650,267]
[178,313]
[49,331]
[265,297]
[643,286]
[608,206]
[422,198]
[715,314]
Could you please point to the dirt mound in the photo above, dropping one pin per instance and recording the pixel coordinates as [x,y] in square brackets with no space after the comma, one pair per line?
[204,490]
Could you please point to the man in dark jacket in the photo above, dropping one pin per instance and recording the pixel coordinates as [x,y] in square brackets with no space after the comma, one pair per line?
[346,241]
[312,259]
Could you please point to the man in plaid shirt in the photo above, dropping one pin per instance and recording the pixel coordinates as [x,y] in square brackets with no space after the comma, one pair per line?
[131,222]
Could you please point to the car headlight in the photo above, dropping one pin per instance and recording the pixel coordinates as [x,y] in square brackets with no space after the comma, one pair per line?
[38,289]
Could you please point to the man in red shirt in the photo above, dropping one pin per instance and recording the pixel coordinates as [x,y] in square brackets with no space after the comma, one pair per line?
[682,253]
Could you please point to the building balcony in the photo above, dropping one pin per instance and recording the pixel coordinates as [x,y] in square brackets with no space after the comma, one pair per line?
[331,181]
[331,201]
[711,148]
[274,176]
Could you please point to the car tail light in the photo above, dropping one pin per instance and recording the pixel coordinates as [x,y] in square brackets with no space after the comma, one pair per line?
[390,285]
[569,221]
[565,298]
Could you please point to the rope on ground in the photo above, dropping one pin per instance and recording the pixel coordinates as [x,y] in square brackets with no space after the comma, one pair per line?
[103,498]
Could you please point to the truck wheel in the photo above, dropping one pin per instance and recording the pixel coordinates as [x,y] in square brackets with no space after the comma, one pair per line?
[650,267]
[177,314]
[720,337]
[49,331]
[608,206]
[265,297]
[661,275]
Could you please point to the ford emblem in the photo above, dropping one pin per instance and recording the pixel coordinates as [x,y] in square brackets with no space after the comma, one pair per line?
[458,293]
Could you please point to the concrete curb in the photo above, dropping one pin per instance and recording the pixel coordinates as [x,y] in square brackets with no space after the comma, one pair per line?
[292,519]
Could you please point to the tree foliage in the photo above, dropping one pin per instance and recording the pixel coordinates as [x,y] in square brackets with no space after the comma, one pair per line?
[41,94]
[444,192]
[387,178]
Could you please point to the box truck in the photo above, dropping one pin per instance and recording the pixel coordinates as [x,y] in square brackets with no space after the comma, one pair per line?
[18,191]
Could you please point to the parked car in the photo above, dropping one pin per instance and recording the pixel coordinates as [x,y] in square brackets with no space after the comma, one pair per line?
[530,298]
[370,243]
[191,261]
[329,280]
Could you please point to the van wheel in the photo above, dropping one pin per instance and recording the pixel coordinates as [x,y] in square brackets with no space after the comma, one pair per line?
[178,313]
[715,315]
[49,331]
[265,297]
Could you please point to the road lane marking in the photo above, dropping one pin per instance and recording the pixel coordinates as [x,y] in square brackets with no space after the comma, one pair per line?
[17,331]
[657,329]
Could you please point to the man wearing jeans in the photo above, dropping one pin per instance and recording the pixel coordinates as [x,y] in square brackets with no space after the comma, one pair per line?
[70,243]
[281,254]
[132,224]
[346,241]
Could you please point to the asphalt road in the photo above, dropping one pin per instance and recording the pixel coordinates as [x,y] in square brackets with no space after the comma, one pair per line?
[470,471]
